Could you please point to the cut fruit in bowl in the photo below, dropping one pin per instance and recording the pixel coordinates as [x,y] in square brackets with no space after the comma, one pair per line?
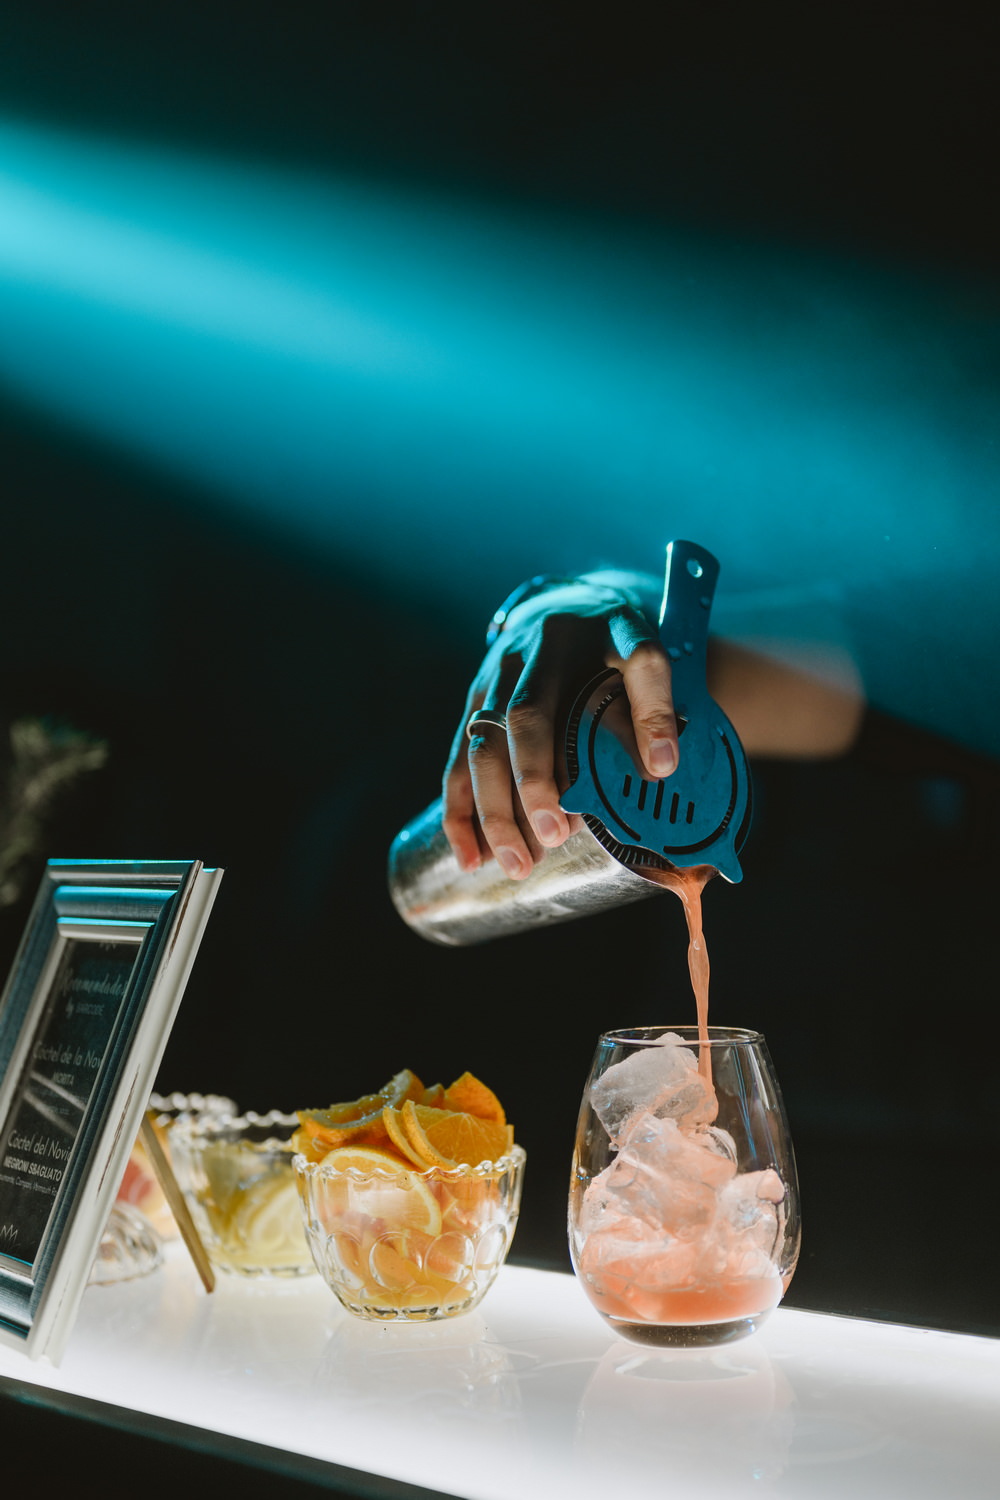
[470,1095]
[411,1216]
[394,1242]
[452,1138]
[236,1175]
[358,1121]
[390,1192]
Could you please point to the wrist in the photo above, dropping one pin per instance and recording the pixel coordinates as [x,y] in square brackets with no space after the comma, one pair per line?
[642,590]
[542,583]
[624,588]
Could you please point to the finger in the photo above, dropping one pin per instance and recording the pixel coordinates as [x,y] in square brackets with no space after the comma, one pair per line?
[527,832]
[493,789]
[645,668]
[531,736]
[498,813]
[459,819]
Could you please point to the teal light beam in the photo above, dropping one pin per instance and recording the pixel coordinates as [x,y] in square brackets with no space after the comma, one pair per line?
[426,386]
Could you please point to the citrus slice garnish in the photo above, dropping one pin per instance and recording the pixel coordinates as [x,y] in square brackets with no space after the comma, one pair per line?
[378,1185]
[357,1121]
[395,1130]
[452,1138]
[267,1218]
[470,1096]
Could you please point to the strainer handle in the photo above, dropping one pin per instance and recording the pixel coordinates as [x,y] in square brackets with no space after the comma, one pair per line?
[689,582]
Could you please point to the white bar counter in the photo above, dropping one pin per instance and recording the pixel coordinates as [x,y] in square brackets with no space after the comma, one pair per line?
[532,1396]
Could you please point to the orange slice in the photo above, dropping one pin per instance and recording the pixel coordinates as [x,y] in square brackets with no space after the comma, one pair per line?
[452,1138]
[358,1120]
[395,1130]
[314,1147]
[434,1096]
[468,1095]
[389,1191]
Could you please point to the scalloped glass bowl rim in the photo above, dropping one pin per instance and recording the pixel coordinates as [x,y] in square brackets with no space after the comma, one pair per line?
[512,1160]
[173,1109]
[218,1130]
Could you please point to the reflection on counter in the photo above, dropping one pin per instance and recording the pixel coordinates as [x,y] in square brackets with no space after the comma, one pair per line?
[531,1397]
[464,1376]
[710,1418]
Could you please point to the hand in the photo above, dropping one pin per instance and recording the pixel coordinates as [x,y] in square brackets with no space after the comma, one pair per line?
[501,790]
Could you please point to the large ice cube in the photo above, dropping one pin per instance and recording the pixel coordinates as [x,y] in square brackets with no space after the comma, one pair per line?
[658,1143]
[671,1214]
[749,1214]
[662,1078]
[664,1176]
[631,1253]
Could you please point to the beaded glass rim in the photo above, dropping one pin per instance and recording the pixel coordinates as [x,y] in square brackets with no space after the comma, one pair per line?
[512,1160]
[211,1129]
[193,1104]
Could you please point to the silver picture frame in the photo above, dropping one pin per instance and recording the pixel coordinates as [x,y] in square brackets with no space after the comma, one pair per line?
[84,1018]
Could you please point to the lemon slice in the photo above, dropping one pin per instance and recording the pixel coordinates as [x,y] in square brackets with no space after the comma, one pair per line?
[267,1218]
[382,1188]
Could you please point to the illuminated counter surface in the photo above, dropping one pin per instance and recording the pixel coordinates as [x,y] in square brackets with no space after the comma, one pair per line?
[532,1396]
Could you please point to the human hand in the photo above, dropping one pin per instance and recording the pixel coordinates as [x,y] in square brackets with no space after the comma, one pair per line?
[504,777]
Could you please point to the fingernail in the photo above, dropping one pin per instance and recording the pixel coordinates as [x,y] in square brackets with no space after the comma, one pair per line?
[546,826]
[662,757]
[511,862]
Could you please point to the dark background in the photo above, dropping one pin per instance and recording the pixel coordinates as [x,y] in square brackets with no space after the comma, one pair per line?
[281,710]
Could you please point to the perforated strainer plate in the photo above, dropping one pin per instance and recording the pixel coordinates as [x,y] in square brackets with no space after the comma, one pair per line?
[701,814]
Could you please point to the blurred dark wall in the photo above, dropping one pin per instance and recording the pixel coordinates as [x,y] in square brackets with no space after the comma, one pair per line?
[864,126]
[275,712]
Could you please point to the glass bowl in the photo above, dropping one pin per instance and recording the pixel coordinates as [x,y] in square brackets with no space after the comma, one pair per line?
[236,1175]
[139,1188]
[402,1244]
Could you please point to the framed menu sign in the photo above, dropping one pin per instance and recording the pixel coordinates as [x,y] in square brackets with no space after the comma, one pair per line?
[84,1019]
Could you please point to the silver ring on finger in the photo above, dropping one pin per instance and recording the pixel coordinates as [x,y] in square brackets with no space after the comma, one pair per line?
[483,716]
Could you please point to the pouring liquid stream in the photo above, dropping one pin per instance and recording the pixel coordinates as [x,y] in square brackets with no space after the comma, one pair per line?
[688,884]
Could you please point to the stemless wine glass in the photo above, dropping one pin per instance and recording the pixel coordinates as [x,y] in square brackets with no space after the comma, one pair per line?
[684,1218]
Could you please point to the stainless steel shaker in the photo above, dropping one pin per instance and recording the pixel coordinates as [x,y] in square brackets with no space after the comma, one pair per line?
[700,815]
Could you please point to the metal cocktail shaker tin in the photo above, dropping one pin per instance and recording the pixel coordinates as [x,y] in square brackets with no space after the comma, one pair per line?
[633,826]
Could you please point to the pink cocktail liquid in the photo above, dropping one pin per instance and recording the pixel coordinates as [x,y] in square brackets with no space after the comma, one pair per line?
[688,885]
[704,1303]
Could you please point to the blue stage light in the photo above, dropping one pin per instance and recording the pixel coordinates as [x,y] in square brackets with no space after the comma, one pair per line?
[428,386]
